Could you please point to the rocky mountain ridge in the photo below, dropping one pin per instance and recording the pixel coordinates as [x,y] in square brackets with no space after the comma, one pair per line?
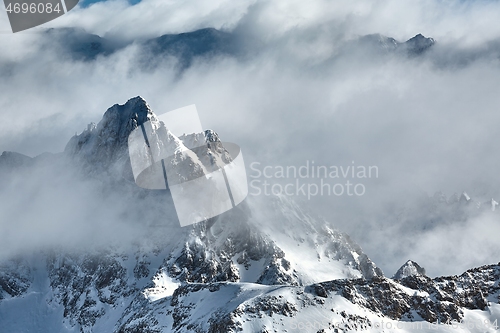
[260,243]
[267,265]
[79,45]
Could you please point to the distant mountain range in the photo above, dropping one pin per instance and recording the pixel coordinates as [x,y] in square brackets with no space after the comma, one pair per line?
[209,42]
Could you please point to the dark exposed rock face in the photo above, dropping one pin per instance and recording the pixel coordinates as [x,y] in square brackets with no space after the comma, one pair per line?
[441,299]
[15,278]
[82,284]
[87,285]
[418,44]
[104,147]
[271,305]
[414,298]
[384,296]
[185,47]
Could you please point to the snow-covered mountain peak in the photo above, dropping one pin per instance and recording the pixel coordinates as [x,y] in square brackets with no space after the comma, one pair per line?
[211,136]
[104,148]
[410,268]
[103,145]
[125,118]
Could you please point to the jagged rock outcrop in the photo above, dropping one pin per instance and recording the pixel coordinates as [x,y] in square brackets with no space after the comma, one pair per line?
[418,44]
[442,299]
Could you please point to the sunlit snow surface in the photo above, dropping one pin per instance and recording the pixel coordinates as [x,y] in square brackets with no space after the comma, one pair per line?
[164,287]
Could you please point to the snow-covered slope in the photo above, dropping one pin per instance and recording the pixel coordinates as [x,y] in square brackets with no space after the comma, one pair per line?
[111,294]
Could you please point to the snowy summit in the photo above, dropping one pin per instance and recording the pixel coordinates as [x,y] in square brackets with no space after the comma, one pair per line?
[410,268]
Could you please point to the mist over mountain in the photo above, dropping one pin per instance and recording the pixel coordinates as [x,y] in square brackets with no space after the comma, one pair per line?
[146,273]
[214,66]
[206,43]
